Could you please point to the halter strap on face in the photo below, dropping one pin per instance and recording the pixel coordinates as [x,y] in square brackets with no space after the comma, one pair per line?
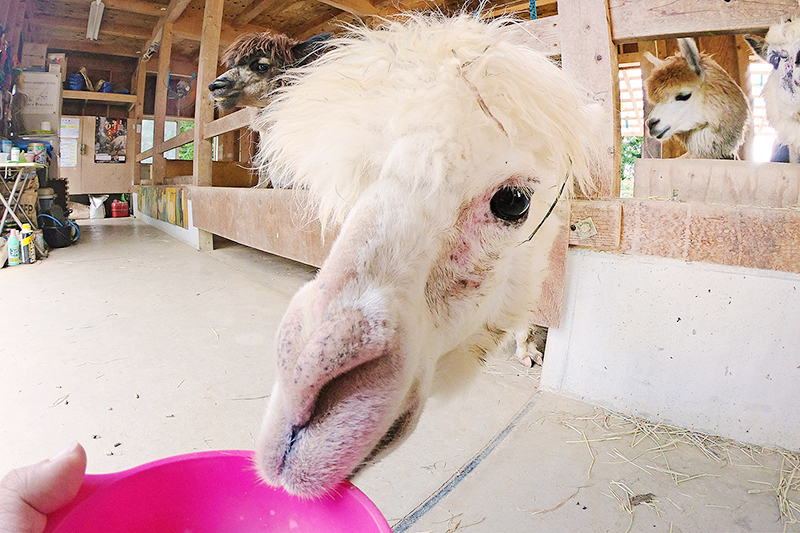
[549,211]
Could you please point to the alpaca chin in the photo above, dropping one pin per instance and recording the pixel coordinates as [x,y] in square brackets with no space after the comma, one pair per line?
[353,422]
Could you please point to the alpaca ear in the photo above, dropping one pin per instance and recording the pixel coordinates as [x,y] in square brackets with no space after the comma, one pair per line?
[692,54]
[310,49]
[654,60]
[758,44]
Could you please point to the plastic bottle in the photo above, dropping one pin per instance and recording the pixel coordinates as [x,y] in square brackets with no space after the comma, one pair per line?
[13,248]
[28,249]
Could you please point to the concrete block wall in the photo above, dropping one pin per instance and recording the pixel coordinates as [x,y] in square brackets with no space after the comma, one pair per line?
[700,346]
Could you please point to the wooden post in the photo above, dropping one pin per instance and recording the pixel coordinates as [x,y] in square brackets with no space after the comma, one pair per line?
[204,107]
[589,55]
[160,108]
[651,147]
[135,122]
[228,149]
[15,19]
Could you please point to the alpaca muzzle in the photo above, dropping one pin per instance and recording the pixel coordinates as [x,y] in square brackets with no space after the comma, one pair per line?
[339,392]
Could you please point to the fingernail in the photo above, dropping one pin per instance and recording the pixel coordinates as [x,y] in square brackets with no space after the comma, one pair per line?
[66,451]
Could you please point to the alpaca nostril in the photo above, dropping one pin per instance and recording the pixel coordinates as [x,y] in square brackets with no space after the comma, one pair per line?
[219,83]
[653,122]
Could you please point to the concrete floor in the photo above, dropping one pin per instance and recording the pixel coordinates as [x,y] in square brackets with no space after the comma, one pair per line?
[140,347]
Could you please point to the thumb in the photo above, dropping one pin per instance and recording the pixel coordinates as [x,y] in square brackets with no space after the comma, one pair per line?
[30,493]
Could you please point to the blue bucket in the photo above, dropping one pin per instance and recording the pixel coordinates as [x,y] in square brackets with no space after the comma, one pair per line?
[75,82]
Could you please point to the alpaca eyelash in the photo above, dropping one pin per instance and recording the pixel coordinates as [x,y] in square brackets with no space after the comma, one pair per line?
[682,97]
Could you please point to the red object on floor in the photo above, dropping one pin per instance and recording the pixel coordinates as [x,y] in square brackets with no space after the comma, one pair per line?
[119,209]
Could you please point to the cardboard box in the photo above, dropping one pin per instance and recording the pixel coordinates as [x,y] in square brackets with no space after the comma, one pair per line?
[58,62]
[54,68]
[34,55]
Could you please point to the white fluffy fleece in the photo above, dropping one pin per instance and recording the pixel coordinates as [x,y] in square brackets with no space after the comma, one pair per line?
[405,135]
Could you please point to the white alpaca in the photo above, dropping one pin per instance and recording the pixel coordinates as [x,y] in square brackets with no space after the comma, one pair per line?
[781,91]
[440,145]
[697,101]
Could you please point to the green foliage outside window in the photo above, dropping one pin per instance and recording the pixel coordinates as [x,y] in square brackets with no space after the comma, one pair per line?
[186,151]
[631,150]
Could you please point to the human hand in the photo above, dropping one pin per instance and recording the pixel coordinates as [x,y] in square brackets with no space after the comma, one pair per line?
[30,493]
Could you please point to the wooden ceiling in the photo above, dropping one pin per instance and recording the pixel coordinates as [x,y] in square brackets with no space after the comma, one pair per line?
[129,27]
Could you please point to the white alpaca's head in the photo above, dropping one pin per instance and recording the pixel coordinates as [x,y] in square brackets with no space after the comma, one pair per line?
[696,100]
[439,144]
[781,91]
[781,49]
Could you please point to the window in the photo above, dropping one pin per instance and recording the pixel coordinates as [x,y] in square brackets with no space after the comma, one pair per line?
[171,129]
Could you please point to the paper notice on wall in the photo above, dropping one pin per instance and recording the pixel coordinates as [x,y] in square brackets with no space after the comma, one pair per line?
[43,91]
[70,127]
[69,153]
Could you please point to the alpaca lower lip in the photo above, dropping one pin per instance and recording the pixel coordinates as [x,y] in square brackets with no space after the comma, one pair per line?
[660,134]
[221,95]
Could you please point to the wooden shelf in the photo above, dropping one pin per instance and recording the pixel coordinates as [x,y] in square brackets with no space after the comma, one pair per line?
[103,98]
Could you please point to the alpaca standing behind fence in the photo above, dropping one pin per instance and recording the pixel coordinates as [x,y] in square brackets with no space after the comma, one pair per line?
[255,63]
[781,91]
[695,100]
[442,146]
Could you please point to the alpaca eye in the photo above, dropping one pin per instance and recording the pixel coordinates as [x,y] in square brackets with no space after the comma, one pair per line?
[258,66]
[510,204]
[774,59]
[682,97]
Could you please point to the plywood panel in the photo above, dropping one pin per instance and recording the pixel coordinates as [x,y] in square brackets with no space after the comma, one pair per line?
[224,173]
[729,235]
[596,224]
[542,34]
[638,20]
[96,178]
[718,182]
[271,220]
[588,55]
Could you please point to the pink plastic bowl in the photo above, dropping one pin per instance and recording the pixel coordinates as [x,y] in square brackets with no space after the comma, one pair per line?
[208,492]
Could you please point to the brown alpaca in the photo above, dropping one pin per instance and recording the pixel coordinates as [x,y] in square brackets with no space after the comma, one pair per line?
[255,63]
[698,102]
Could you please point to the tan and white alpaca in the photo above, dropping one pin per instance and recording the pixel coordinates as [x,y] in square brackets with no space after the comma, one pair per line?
[695,100]
[255,64]
[781,91]
[440,145]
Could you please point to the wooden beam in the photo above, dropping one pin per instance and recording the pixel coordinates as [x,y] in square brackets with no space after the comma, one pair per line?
[190,27]
[254,9]
[650,20]
[104,98]
[171,15]
[595,224]
[542,34]
[179,140]
[232,122]
[322,25]
[588,55]
[160,107]
[93,47]
[651,147]
[359,8]
[719,182]
[144,155]
[204,107]
[5,9]
[749,237]
[135,124]
[107,28]
[140,7]
[271,220]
